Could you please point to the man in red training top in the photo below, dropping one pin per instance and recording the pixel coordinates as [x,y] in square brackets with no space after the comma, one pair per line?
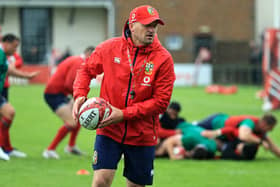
[138,81]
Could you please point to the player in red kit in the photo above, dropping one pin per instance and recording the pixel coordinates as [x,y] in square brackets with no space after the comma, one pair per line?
[58,88]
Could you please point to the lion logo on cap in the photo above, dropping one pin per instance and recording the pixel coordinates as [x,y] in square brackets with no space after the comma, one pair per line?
[151,11]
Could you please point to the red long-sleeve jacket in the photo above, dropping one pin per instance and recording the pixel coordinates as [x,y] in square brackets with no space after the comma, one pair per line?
[142,96]
[63,78]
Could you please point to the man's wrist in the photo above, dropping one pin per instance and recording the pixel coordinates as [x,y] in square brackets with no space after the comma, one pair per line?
[80,97]
[219,132]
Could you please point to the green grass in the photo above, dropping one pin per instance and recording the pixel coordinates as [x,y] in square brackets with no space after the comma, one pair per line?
[35,125]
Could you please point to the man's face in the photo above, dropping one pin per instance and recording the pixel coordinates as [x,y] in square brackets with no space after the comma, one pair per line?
[264,127]
[143,34]
[11,47]
[173,114]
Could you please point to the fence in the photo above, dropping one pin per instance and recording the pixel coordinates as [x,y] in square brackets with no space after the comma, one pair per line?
[237,74]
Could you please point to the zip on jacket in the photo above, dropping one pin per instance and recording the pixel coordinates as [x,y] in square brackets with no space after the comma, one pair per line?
[128,93]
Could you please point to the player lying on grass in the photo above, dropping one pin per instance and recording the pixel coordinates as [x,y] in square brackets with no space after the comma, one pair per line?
[191,144]
[250,130]
[195,145]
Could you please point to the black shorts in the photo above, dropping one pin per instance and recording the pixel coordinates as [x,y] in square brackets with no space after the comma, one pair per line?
[249,151]
[138,160]
[56,100]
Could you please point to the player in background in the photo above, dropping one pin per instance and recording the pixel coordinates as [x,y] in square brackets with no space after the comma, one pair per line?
[169,121]
[15,61]
[250,130]
[138,82]
[7,48]
[191,142]
[170,118]
[57,92]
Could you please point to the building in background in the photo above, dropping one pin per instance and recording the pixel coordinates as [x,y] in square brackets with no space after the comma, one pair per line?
[45,26]
[48,26]
[231,23]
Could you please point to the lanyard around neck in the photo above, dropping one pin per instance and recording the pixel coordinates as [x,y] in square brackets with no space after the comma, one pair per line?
[131,65]
[130,61]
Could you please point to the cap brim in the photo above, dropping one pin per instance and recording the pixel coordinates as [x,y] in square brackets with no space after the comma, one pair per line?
[150,20]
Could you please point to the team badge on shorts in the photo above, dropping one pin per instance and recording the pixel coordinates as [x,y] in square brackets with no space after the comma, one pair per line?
[94,157]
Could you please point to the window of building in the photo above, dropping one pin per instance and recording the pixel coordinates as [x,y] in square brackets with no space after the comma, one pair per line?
[35,34]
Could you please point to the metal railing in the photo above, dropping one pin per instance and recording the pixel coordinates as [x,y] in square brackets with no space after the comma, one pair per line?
[237,74]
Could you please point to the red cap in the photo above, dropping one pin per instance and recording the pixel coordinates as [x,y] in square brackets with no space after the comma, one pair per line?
[144,14]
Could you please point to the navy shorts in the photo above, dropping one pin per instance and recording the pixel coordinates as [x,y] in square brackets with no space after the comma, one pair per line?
[56,100]
[2,101]
[207,122]
[5,93]
[138,160]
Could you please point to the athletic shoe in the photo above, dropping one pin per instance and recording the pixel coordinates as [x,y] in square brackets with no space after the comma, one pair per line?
[73,150]
[3,155]
[267,106]
[50,154]
[17,153]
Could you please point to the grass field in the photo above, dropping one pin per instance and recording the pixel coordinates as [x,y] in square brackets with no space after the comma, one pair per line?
[35,125]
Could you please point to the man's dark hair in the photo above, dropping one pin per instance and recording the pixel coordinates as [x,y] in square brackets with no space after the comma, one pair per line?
[200,153]
[9,38]
[269,119]
[175,105]
[89,49]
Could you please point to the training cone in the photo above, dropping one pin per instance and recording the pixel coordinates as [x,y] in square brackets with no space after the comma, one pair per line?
[82,172]
[213,89]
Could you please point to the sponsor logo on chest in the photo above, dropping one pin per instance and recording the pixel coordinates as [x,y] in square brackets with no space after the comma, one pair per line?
[149,68]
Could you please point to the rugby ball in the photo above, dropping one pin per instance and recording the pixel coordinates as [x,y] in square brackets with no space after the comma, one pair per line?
[179,151]
[93,111]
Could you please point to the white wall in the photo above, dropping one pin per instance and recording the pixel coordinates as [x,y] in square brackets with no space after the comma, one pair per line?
[88,28]
[11,22]
[264,14]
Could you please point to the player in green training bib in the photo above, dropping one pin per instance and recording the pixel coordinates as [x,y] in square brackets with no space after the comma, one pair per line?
[191,140]
[7,48]
[3,68]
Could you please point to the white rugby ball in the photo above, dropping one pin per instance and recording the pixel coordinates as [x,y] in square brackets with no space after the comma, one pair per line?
[93,111]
